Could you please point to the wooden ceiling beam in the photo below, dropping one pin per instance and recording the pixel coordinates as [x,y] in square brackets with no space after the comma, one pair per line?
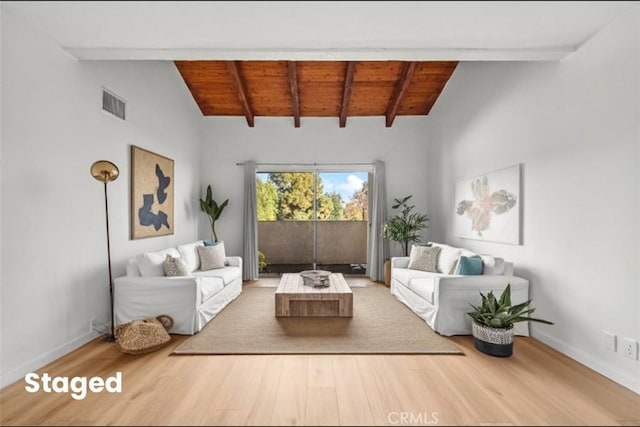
[295,94]
[346,93]
[234,70]
[401,88]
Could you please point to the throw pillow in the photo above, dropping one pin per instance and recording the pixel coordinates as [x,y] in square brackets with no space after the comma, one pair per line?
[496,269]
[211,257]
[152,263]
[189,254]
[469,266]
[424,258]
[219,242]
[447,259]
[175,266]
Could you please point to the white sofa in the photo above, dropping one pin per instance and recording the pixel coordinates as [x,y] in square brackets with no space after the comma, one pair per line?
[442,299]
[190,300]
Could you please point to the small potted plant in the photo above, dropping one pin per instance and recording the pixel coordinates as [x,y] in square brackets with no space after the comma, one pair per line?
[493,321]
[404,227]
[262,262]
[213,210]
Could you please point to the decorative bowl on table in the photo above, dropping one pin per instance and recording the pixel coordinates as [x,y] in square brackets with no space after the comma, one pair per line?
[315,278]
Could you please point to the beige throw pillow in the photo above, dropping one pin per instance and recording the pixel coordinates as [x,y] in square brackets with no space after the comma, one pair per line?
[175,266]
[424,258]
[211,256]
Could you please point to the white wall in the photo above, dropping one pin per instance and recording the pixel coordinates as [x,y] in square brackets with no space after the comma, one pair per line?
[54,261]
[402,147]
[574,125]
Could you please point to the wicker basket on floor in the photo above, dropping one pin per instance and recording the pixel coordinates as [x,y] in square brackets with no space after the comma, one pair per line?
[144,335]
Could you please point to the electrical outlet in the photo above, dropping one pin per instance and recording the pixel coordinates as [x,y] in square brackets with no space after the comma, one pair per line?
[630,348]
[610,340]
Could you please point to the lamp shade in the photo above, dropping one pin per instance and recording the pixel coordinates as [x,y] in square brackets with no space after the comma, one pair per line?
[104,171]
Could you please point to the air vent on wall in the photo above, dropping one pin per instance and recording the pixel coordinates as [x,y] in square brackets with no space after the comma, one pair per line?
[113,104]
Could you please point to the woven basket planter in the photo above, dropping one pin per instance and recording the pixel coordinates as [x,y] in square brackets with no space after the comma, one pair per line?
[493,341]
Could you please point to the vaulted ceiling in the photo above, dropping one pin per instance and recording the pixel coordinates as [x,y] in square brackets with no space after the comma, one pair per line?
[298,89]
[328,59]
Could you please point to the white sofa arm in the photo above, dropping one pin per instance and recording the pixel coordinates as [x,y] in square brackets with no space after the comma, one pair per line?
[399,262]
[235,261]
[139,297]
[454,294]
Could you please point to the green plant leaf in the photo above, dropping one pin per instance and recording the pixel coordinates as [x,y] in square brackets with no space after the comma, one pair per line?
[212,209]
[505,298]
[209,195]
[500,313]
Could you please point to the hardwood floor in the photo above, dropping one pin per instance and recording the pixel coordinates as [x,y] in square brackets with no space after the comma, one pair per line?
[536,386]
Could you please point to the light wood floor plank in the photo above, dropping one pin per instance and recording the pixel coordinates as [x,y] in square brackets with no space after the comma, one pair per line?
[261,401]
[320,372]
[291,397]
[353,405]
[261,397]
[322,407]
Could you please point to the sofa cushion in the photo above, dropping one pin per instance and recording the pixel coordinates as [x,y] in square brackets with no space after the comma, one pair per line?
[175,267]
[406,275]
[211,256]
[469,266]
[423,258]
[496,269]
[209,287]
[212,243]
[152,263]
[423,287]
[189,254]
[447,259]
[227,274]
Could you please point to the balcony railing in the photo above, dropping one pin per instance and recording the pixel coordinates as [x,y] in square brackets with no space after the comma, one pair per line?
[289,246]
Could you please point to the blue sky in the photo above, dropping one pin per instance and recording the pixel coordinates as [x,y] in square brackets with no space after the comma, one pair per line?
[343,183]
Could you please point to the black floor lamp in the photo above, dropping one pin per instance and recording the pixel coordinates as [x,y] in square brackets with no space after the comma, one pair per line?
[105,172]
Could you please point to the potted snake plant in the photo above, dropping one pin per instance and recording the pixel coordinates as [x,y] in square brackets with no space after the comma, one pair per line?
[493,321]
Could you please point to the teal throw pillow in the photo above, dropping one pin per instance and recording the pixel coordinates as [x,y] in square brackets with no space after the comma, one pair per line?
[469,266]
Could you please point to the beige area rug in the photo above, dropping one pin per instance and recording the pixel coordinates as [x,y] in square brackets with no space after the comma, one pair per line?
[380,325]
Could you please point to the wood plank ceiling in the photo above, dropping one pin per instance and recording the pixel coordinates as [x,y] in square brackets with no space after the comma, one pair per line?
[315,88]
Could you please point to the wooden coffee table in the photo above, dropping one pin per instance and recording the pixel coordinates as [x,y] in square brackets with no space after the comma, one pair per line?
[294,299]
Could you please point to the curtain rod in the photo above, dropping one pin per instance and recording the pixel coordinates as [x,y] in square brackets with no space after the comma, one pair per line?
[309,164]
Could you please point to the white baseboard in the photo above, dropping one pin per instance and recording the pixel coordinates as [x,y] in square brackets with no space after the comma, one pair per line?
[621,378]
[37,363]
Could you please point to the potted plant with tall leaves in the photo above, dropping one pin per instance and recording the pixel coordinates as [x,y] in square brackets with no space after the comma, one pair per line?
[403,228]
[213,210]
[493,321]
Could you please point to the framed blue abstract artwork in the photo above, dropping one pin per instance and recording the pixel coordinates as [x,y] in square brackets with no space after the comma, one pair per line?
[151,194]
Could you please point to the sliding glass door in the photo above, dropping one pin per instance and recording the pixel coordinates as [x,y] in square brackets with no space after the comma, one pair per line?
[341,224]
[312,220]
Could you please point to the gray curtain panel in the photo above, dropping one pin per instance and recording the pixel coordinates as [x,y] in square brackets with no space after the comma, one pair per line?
[250,246]
[378,246]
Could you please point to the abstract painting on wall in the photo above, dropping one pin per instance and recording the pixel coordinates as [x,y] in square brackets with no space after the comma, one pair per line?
[151,194]
[487,207]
